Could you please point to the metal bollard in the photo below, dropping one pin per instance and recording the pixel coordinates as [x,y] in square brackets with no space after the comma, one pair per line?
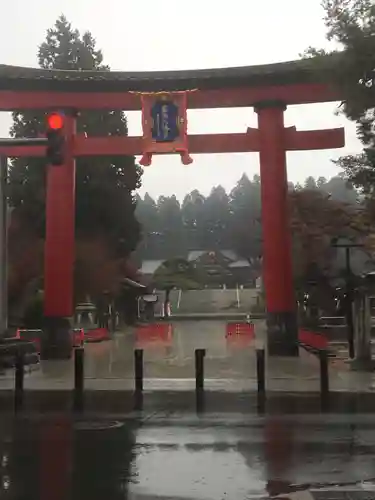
[324,376]
[199,369]
[19,380]
[261,371]
[79,378]
[138,369]
[200,401]
[138,401]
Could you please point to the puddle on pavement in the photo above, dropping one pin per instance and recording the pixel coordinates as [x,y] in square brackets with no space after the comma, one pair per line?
[63,459]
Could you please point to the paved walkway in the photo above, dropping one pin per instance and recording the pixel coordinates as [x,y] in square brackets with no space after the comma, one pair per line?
[230,364]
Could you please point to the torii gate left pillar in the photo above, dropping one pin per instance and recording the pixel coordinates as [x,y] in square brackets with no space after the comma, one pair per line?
[59,252]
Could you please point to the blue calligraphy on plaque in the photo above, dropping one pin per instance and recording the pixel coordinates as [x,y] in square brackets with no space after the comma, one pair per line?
[165,118]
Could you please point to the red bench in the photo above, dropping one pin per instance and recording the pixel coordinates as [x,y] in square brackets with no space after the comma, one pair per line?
[312,340]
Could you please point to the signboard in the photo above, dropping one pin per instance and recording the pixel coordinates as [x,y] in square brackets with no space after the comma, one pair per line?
[164,122]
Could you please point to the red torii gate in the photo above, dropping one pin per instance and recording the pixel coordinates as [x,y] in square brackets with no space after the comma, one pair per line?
[269,89]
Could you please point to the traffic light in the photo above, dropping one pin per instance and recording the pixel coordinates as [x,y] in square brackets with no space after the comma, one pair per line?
[56,139]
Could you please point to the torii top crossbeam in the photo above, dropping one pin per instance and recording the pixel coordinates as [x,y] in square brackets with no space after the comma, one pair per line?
[293,82]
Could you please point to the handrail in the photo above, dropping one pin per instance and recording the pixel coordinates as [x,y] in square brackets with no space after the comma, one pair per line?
[323,353]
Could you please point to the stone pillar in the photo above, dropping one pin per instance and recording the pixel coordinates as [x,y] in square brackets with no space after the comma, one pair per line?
[277,255]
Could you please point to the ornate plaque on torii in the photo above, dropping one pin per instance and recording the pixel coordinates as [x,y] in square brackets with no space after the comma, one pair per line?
[164,124]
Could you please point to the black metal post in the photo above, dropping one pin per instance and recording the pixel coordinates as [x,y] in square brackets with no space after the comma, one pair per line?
[79,378]
[349,292]
[324,375]
[19,380]
[261,371]
[349,304]
[138,369]
[199,369]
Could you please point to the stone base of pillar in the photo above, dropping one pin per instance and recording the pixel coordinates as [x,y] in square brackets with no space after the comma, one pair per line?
[57,341]
[282,334]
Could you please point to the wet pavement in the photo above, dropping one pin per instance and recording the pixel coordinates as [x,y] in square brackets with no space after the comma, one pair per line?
[230,363]
[168,445]
[172,455]
[168,360]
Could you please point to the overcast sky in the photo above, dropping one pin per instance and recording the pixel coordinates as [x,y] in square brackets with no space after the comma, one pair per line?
[133,35]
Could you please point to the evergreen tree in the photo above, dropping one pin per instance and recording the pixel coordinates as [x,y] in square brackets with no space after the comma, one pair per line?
[192,209]
[216,219]
[148,216]
[233,222]
[246,230]
[321,183]
[310,183]
[170,226]
[105,203]
[351,25]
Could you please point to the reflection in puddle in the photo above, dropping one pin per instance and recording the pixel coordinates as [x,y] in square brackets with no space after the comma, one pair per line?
[195,463]
[202,474]
[62,459]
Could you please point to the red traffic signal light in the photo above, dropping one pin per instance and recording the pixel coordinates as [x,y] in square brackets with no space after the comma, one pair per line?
[56,140]
[55,121]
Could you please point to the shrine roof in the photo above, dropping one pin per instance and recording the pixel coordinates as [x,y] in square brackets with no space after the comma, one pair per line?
[286,73]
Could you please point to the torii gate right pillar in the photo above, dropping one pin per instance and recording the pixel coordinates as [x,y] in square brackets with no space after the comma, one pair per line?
[282,329]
